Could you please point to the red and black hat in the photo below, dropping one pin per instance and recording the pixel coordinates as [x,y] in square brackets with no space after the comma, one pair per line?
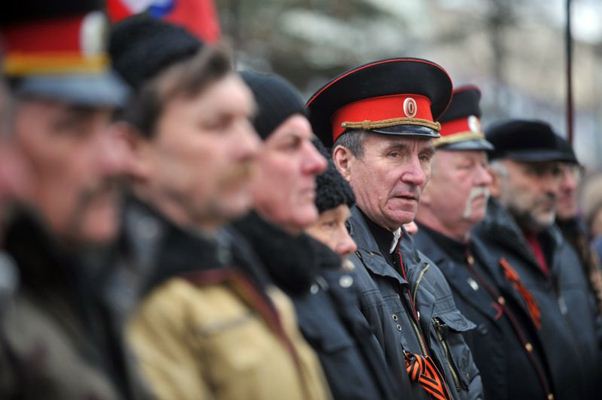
[397,96]
[56,49]
[461,122]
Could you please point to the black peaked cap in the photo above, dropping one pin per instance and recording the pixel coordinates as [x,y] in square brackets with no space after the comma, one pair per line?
[276,100]
[142,46]
[465,102]
[380,78]
[526,141]
[464,105]
[31,10]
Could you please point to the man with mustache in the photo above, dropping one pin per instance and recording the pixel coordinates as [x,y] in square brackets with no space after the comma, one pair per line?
[380,120]
[528,251]
[204,328]
[504,345]
[61,98]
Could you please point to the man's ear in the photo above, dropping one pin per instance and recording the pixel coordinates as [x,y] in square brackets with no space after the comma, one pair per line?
[343,159]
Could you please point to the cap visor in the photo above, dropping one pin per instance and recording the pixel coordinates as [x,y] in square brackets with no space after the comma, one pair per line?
[408,130]
[104,89]
[475,144]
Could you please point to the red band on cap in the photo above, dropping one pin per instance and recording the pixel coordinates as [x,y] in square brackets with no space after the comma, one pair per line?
[60,35]
[377,109]
[461,125]
[454,126]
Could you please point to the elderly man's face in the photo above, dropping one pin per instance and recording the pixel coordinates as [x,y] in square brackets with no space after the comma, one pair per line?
[459,188]
[530,192]
[388,178]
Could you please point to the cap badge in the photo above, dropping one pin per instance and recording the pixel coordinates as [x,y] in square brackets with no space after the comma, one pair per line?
[410,108]
[474,124]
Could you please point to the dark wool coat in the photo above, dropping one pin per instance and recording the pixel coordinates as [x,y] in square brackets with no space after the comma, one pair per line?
[505,344]
[568,329]
[54,332]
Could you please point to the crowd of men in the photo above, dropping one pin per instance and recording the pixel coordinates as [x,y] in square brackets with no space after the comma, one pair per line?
[173,228]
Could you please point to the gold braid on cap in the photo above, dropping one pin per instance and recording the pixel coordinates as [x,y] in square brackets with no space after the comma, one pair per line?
[458,137]
[385,123]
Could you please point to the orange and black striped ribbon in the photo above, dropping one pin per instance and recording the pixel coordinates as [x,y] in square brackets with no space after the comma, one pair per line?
[514,278]
[422,370]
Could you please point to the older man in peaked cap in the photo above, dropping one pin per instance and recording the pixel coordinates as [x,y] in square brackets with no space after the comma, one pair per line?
[380,119]
[62,95]
[505,343]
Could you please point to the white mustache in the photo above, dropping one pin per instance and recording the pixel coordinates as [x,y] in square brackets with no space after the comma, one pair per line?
[474,193]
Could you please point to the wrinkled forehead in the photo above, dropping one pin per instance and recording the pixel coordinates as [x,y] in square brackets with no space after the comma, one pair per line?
[378,140]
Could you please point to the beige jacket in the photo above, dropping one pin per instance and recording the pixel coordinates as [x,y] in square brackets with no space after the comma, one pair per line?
[215,337]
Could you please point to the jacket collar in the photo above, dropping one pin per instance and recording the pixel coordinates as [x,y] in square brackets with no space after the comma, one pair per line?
[500,227]
[456,271]
[291,261]
[369,250]
[43,264]
[173,250]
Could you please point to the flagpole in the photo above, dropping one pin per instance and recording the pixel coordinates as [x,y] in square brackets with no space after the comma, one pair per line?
[569,75]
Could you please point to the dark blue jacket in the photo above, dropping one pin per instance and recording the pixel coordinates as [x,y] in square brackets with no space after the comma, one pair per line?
[568,328]
[381,289]
[505,345]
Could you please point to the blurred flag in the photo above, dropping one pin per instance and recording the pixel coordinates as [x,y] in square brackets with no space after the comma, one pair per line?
[198,16]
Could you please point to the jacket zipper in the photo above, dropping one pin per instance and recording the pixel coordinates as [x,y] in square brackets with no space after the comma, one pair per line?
[452,367]
[413,322]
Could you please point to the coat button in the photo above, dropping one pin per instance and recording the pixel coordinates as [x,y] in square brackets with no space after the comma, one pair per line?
[501,300]
[346,281]
[395,317]
[482,329]
[398,327]
[550,396]
[528,347]
[314,288]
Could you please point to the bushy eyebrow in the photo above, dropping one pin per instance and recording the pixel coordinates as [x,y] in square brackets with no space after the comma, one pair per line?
[396,146]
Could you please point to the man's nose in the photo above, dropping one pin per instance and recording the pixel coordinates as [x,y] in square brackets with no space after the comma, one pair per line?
[313,162]
[414,172]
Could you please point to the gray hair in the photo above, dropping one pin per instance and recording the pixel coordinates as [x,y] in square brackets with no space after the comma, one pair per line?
[354,141]
[498,168]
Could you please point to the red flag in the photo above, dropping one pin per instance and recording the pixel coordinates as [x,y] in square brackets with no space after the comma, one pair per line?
[198,16]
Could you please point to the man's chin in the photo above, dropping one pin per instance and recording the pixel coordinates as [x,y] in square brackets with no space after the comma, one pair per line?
[399,218]
[99,226]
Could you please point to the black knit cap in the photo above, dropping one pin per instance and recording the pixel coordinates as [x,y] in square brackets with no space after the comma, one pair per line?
[332,189]
[527,141]
[276,100]
[141,46]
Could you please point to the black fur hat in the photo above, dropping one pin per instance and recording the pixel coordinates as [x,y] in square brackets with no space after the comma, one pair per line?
[332,189]
[141,46]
